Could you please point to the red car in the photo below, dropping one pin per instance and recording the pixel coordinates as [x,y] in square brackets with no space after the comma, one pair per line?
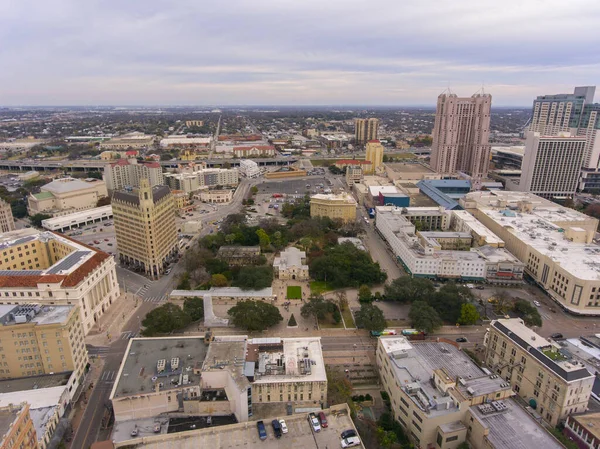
[322,419]
[96,241]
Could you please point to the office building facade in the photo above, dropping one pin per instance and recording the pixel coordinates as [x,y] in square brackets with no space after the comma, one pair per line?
[7,222]
[365,129]
[538,373]
[552,164]
[461,135]
[333,206]
[145,227]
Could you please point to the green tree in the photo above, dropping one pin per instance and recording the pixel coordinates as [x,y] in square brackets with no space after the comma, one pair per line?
[406,289]
[184,282]
[365,294]
[254,315]
[254,190]
[385,438]
[528,312]
[194,308]
[166,157]
[463,445]
[253,278]
[164,319]
[424,318]
[218,280]
[370,317]
[448,301]
[468,314]
[36,220]
[317,306]
[263,238]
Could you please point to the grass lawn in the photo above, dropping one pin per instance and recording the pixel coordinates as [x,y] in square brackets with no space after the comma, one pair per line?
[321,162]
[348,318]
[294,292]
[319,287]
[556,356]
[403,156]
[328,323]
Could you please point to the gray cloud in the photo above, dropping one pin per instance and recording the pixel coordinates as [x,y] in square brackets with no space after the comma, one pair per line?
[384,52]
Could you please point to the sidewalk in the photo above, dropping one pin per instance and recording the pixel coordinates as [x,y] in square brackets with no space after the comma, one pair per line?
[112,322]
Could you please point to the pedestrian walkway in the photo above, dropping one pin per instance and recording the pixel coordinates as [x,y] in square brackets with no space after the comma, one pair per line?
[157,299]
[128,335]
[108,377]
[110,324]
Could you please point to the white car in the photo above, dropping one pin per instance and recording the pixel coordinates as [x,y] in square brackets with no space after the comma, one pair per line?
[537,303]
[284,428]
[349,442]
[314,422]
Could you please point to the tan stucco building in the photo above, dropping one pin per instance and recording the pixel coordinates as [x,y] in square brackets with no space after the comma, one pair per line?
[51,269]
[549,382]
[553,241]
[365,129]
[342,206]
[128,173]
[443,399]
[7,222]
[291,264]
[145,227]
[215,196]
[66,195]
[41,339]
[374,155]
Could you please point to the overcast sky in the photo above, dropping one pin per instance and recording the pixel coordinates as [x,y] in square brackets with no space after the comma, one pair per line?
[293,52]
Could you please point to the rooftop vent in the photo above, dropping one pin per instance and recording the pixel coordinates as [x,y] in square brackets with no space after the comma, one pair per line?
[160,365]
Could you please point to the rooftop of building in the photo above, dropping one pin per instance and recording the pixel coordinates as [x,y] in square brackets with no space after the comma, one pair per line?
[77,217]
[237,250]
[285,360]
[512,427]
[534,344]
[159,363]
[67,185]
[518,150]
[240,435]
[290,257]
[340,197]
[132,196]
[414,363]
[68,271]
[405,167]
[477,227]
[384,190]
[437,195]
[590,422]
[35,382]
[538,230]
[11,315]
[355,241]
[185,140]
[250,147]
[228,353]
[41,418]
[48,397]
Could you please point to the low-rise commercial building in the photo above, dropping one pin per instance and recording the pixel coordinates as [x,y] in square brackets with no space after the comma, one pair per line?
[128,141]
[7,222]
[239,255]
[554,243]
[127,173]
[16,427]
[249,169]
[76,219]
[215,196]
[145,227]
[183,204]
[66,195]
[342,206]
[444,254]
[463,221]
[195,143]
[445,192]
[254,151]
[291,264]
[354,174]
[584,430]
[555,387]
[51,269]
[443,399]
[234,375]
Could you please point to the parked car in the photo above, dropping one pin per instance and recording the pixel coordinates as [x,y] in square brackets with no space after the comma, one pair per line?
[348,433]
[276,428]
[96,241]
[461,340]
[284,427]
[480,287]
[556,335]
[537,303]
[262,432]
[314,422]
[349,442]
[323,419]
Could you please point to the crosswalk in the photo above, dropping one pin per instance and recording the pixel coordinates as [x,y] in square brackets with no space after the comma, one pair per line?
[108,377]
[98,351]
[126,335]
[156,299]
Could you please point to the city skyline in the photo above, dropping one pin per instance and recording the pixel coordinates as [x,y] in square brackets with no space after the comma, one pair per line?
[273,53]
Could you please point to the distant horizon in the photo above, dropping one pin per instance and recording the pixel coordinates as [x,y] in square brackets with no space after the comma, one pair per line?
[240,106]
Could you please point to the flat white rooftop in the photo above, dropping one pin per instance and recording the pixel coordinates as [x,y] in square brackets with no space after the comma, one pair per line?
[537,230]
[76,218]
[477,227]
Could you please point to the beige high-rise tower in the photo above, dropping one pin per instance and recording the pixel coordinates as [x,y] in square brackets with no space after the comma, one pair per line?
[461,135]
[374,154]
[7,222]
[145,226]
[365,129]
